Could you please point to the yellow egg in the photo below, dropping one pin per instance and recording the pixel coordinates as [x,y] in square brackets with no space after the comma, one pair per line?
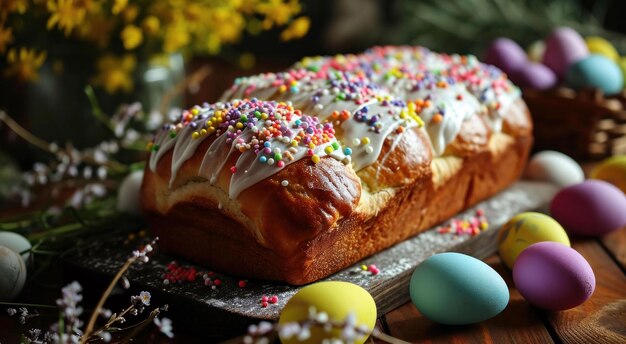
[599,45]
[337,300]
[535,51]
[612,170]
[526,229]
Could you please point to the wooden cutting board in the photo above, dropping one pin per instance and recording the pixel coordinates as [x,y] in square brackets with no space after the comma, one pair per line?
[229,308]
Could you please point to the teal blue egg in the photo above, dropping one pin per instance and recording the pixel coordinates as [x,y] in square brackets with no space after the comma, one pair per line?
[456,289]
[596,71]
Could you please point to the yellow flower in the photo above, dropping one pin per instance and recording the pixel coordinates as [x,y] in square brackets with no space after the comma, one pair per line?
[227,24]
[6,37]
[115,73]
[19,6]
[66,13]
[131,37]
[24,64]
[297,29]
[151,25]
[213,44]
[176,37]
[130,13]
[119,6]
[97,29]
[277,11]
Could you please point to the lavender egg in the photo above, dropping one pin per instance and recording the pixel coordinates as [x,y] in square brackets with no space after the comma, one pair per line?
[534,75]
[505,54]
[593,207]
[564,47]
[553,276]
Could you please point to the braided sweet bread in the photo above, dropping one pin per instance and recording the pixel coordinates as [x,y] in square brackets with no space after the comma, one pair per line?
[296,175]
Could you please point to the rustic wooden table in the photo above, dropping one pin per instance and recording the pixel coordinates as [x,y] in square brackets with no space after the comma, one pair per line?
[602,319]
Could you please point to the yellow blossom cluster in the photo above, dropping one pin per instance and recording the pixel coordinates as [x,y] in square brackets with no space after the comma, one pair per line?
[142,28]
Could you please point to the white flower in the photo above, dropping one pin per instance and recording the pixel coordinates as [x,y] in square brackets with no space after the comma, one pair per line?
[11,311]
[165,326]
[106,336]
[145,296]
[304,334]
[289,330]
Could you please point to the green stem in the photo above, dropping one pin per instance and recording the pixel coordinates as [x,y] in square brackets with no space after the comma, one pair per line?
[16,304]
[96,109]
[56,231]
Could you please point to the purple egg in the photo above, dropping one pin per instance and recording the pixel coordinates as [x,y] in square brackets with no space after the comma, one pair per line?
[505,54]
[564,47]
[534,75]
[593,207]
[553,276]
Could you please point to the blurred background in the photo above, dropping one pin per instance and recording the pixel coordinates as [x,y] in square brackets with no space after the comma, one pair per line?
[61,61]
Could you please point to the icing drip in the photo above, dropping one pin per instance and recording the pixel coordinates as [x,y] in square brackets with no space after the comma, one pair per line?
[267,136]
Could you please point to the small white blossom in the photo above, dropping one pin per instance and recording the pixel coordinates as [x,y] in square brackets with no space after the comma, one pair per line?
[144,297]
[165,326]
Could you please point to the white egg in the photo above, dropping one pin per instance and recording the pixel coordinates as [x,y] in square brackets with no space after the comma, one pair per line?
[16,242]
[128,193]
[12,274]
[554,167]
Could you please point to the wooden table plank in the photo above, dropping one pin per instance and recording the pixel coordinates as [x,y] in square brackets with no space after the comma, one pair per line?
[518,323]
[616,245]
[602,319]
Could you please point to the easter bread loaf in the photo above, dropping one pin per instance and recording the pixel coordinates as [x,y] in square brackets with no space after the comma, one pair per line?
[296,175]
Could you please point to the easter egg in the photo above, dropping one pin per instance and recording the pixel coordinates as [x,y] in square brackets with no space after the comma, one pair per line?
[554,167]
[338,301]
[612,170]
[12,274]
[534,75]
[128,193]
[453,288]
[600,46]
[505,54]
[526,229]
[16,243]
[553,276]
[622,66]
[536,50]
[596,71]
[564,47]
[593,207]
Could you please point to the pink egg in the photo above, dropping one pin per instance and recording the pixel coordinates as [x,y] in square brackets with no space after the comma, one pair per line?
[553,276]
[534,75]
[564,47]
[505,54]
[593,207]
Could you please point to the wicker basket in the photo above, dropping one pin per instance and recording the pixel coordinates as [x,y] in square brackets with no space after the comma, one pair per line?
[583,124]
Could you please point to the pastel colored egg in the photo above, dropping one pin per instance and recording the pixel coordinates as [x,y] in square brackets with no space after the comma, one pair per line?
[564,47]
[453,288]
[554,167]
[128,193]
[553,276]
[612,170]
[16,242]
[536,50]
[12,274]
[534,75]
[596,71]
[505,54]
[593,207]
[338,300]
[622,66]
[599,45]
[526,229]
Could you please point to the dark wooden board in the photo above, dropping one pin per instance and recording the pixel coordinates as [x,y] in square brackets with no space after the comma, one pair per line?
[518,323]
[234,307]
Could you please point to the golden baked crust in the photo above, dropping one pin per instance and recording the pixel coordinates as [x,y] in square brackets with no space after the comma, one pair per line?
[309,219]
